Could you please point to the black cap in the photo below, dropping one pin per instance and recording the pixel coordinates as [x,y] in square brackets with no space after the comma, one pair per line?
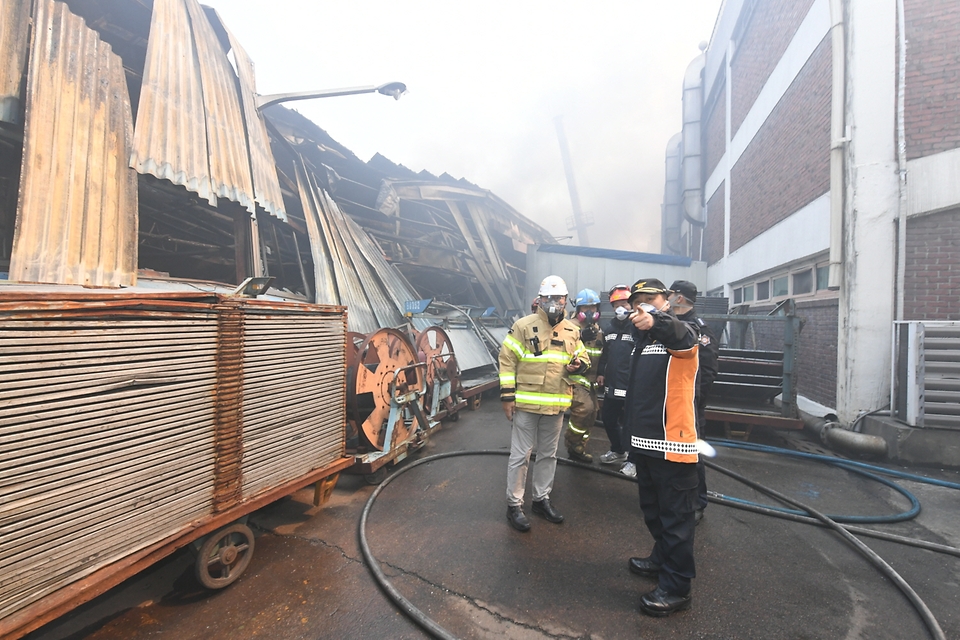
[687,289]
[649,285]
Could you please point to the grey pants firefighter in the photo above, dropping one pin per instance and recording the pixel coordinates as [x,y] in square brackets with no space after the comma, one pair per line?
[583,413]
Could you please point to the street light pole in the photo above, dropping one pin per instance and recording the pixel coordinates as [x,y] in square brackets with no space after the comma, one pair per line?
[395,89]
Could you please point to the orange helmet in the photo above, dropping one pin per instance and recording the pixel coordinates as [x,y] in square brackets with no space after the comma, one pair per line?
[619,292]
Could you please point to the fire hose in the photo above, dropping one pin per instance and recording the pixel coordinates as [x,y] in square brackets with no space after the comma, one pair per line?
[812,516]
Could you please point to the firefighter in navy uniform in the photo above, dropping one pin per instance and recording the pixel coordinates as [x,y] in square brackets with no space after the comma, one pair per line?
[583,410]
[537,358]
[683,302]
[613,374]
[660,428]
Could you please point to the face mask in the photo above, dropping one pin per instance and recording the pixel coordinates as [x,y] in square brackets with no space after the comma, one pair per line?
[591,317]
[621,313]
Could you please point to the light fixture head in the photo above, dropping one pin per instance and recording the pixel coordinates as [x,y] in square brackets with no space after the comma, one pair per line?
[253,287]
[395,89]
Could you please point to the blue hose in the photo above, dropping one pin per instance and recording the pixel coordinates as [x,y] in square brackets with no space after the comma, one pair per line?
[733,444]
[850,465]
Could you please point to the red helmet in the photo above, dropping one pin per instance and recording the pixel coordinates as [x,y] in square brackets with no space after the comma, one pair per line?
[619,292]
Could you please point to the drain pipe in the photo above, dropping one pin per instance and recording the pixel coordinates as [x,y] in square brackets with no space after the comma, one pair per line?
[901,160]
[837,142]
[829,431]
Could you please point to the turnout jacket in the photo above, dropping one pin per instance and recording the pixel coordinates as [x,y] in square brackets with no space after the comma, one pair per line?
[614,363]
[660,416]
[594,348]
[533,364]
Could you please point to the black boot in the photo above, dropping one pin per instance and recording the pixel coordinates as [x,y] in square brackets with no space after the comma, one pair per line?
[545,508]
[517,519]
[659,603]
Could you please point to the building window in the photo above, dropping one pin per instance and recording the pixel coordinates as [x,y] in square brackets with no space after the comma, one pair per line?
[781,286]
[748,293]
[823,277]
[737,295]
[803,282]
[763,290]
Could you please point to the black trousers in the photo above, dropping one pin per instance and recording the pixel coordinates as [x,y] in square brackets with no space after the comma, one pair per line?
[668,498]
[611,414]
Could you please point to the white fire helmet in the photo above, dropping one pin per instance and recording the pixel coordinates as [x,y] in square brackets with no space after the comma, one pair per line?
[553,286]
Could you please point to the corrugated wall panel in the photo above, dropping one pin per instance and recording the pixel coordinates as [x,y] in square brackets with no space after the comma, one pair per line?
[170,140]
[77,213]
[106,441]
[14,27]
[226,135]
[266,184]
[190,129]
[294,377]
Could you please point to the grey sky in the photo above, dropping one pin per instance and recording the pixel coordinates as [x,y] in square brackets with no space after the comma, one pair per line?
[486,80]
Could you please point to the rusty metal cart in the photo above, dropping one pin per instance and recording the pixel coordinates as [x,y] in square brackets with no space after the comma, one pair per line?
[136,423]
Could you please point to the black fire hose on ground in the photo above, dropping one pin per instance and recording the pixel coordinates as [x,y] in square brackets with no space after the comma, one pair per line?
[433,628]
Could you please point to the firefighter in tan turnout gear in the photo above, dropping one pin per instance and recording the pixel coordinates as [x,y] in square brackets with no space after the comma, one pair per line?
[537,359]
[583,410]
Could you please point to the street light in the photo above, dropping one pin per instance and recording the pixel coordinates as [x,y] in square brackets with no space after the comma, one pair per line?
[395,89]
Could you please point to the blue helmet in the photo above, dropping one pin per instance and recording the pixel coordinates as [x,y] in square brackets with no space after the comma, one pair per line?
[585,297]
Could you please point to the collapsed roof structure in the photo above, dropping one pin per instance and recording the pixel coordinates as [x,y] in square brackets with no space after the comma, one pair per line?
[132,150]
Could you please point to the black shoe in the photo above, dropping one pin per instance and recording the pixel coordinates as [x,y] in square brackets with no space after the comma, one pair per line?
[697,516]
[580,456]
[545,508]
[644,567]
[659,603]
[517,519]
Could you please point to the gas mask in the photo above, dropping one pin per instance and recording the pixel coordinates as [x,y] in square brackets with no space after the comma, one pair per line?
[588,317]
[552,308]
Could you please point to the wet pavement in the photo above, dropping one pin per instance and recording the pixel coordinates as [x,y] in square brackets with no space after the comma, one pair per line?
[441,535]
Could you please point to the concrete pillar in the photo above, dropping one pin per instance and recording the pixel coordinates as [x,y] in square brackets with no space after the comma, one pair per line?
[871,199]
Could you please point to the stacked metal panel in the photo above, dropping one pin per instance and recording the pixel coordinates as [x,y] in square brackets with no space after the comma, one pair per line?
[294,386]
[106,435]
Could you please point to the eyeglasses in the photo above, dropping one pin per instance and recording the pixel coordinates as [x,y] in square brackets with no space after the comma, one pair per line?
[554,298]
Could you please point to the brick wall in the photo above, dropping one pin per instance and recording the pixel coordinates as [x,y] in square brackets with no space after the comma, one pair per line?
[787,165]
[817,352]
[713,233]
[932,89]
[715,132]
[770,29]
[932,278]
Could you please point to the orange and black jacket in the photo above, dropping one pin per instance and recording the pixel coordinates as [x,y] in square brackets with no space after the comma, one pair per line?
[660,411]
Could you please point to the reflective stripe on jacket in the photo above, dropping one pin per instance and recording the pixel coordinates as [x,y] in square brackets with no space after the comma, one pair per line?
[614,363]
[533,364]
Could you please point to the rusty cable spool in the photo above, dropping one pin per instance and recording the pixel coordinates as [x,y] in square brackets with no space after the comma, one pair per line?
[385,362]
[436,350]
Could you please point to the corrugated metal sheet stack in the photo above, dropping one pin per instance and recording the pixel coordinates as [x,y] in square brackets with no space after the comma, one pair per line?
[127,420]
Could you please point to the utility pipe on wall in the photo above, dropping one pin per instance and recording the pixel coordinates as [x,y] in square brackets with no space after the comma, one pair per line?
[901,159]
[837,142]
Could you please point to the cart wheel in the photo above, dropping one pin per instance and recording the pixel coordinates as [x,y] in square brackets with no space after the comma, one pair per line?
[377,476]
[224,556]
[474,402]
[454,416]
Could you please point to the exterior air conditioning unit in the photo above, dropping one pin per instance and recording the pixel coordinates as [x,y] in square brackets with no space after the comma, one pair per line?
[925,385]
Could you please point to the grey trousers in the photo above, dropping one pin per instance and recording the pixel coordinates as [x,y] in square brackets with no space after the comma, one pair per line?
[532,433]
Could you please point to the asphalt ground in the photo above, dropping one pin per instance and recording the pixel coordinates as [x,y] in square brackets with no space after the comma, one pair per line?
[441,535]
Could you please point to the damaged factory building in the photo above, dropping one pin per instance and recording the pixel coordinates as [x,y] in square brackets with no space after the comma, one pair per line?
[134,150]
